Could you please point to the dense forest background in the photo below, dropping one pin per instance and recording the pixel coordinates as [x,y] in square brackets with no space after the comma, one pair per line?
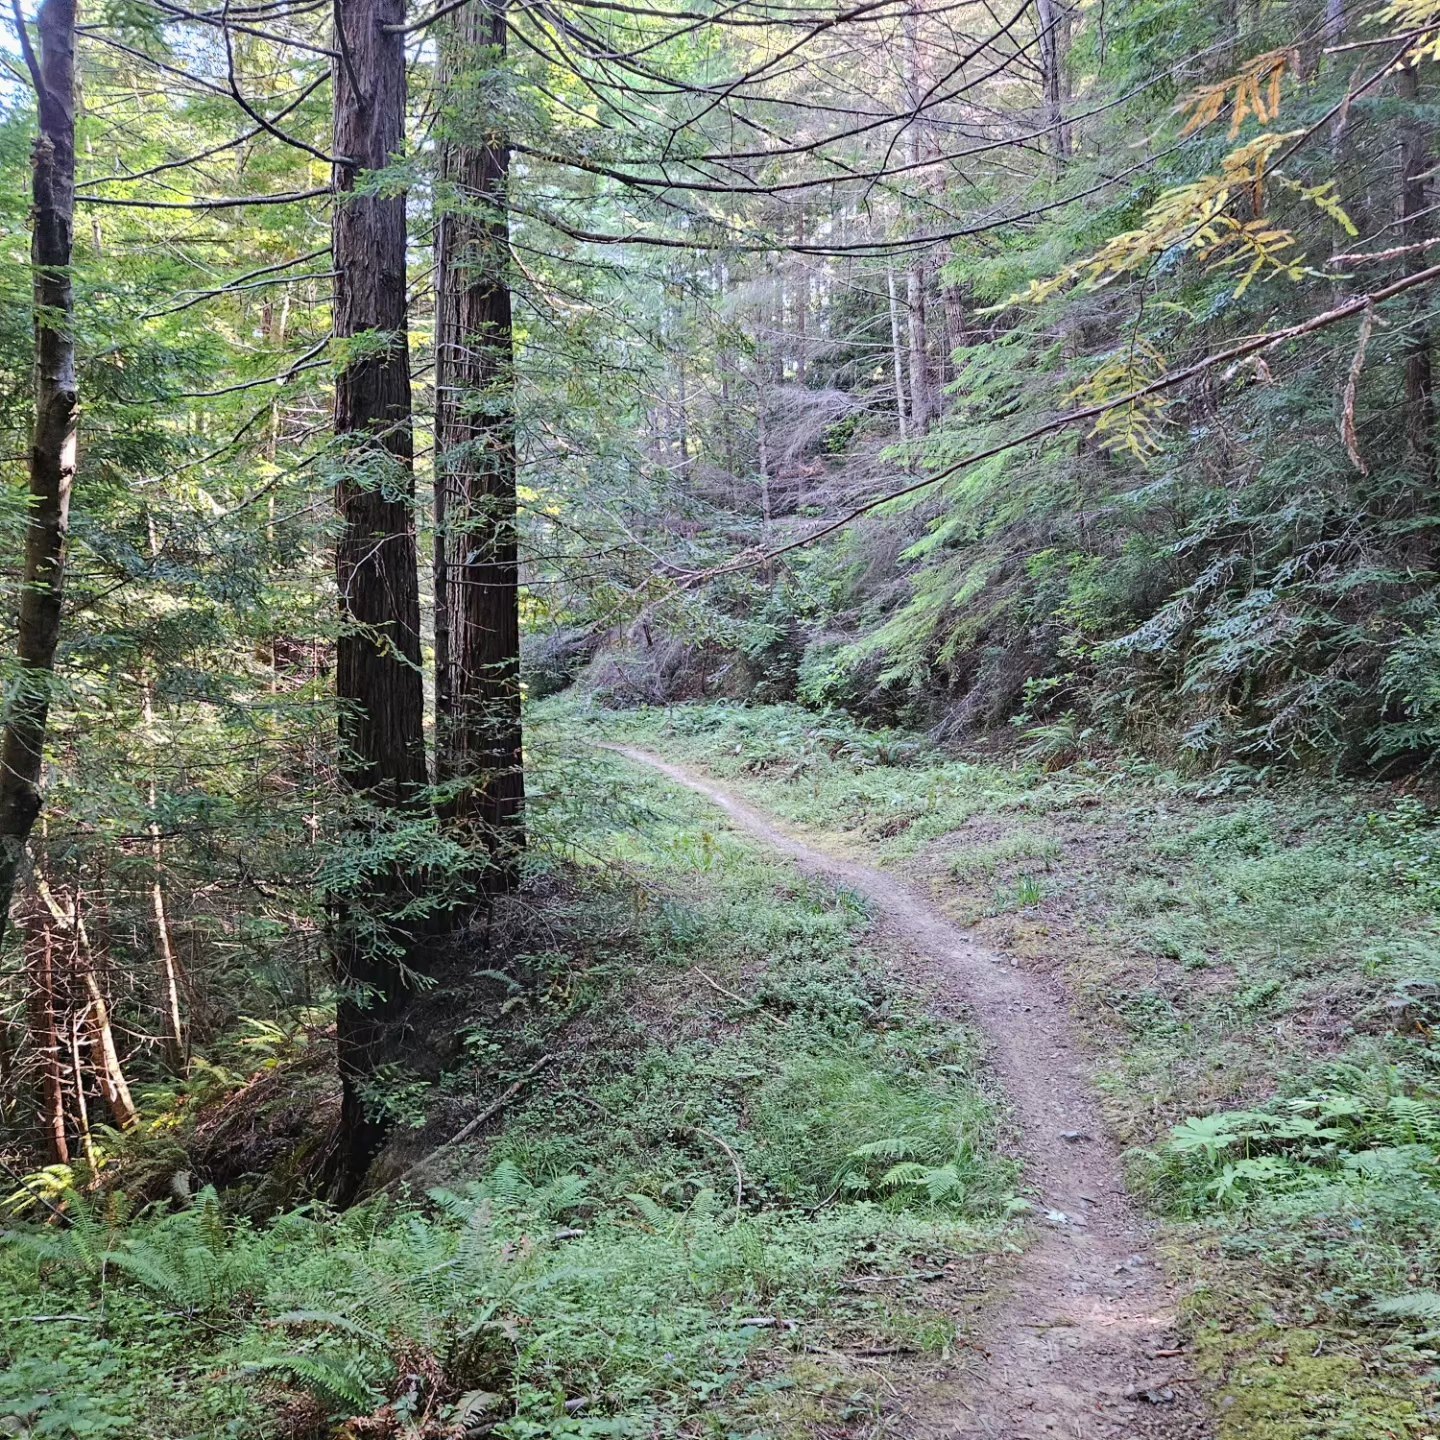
[1053,378]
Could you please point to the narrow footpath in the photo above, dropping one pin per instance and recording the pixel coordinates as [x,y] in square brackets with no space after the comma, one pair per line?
[1081,1345]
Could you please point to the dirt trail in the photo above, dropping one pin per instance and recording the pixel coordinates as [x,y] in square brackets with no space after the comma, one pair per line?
[1076,1347]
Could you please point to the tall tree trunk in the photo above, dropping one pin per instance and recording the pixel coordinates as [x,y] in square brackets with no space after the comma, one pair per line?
[1053,19]
[919,349]
[477,540]
[802,307]
[378,678]
[1334,30]
[82,1109]
[52,449]
[682,435]
[1419,379]
[897,355]
[762,437]
[956,330]
[915,297]
[108,1067]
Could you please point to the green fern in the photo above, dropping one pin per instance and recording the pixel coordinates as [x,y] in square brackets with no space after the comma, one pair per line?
[329,1320]
[1423,1305]
[336,1380]
[652,1212]
[898,1147]
[47,1186]
[907,1172]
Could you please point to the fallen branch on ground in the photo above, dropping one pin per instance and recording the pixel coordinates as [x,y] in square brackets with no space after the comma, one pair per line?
[467,1130]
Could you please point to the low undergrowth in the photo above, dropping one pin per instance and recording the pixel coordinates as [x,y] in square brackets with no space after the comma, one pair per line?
[749,1143]
[1261,960]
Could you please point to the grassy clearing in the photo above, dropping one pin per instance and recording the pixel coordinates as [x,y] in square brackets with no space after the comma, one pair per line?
[754,1159]
[1259,966]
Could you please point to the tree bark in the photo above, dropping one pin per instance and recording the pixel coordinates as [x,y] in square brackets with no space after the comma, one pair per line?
[378,677]
[82,1109]
[682,418]
[69,920]
[1053,19]
[108,1067]
[478,752]
[53,442]
[45,1031]
[897,355]
[915,279]
[1334,30]
[919,350]
[1419,379]
[956,330]
[762,460]
[802,307]
[175,1055]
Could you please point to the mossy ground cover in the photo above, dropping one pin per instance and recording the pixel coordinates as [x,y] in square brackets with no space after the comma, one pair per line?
[1258,966]
[756,1177]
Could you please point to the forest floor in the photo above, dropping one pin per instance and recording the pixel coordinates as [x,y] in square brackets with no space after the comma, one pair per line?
[730,1173]
[1084,1341]
[1231,988]
[925,1096]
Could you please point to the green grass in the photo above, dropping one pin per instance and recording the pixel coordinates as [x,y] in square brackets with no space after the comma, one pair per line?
[987,859]
[749,1119]
[1259,967]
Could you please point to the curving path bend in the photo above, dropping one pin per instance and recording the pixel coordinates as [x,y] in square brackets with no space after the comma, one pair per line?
[1082,1344]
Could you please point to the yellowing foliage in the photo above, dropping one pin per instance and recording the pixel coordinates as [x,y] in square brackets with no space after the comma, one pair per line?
[1255,91]
[1196,219]
[1408,15]
[1134,424]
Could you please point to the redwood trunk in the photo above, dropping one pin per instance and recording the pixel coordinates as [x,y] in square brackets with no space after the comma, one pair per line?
[477,577]
[377,671]
[52,450]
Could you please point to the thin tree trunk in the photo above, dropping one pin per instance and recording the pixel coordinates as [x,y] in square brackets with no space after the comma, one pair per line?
[956,331]
[82,1110]
[111,1072]
[52,450]
[479,735]
[165,950]
[919,350]
[763,439]
[1053,20]
[682,417]
[915,298]
[897,355]
[378,679]
[45,1032]
[727,430]
[762,428]
[802,308]
[725,362]
[1332,32]
[1419,379]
